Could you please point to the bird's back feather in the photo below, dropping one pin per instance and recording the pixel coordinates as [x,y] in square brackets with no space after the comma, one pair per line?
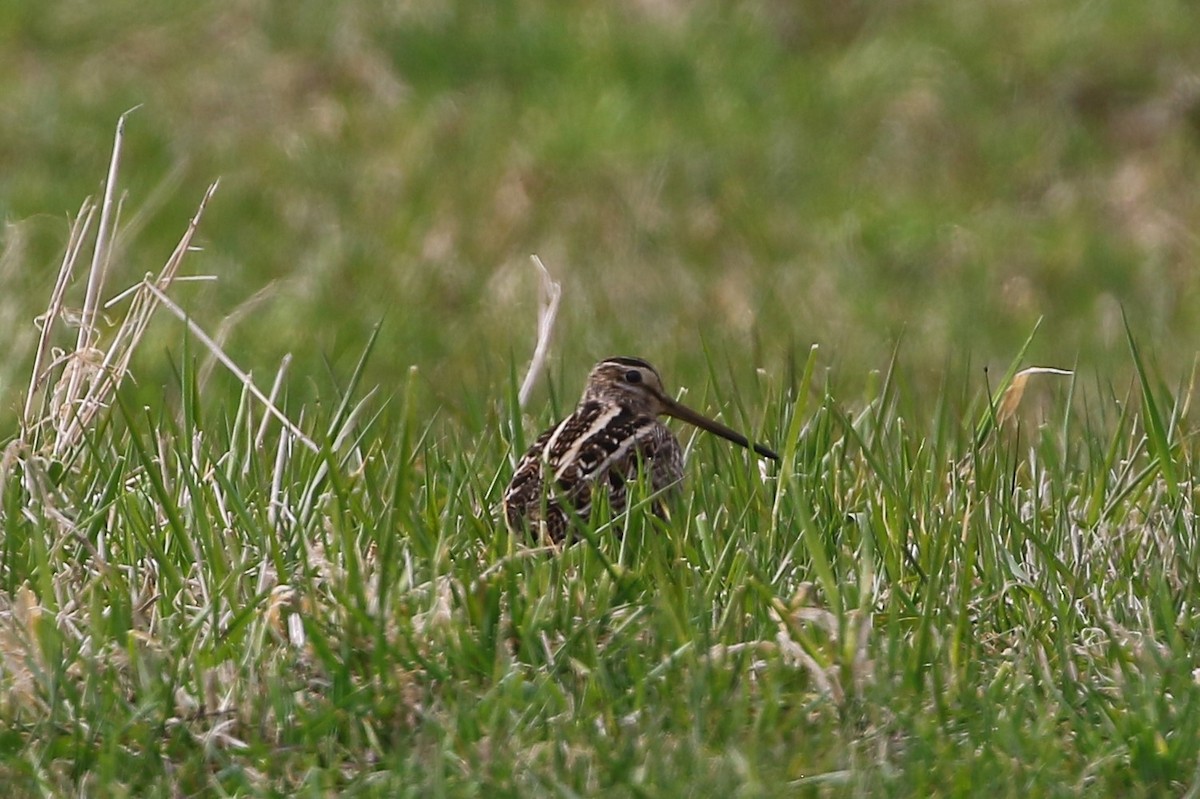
[599,445]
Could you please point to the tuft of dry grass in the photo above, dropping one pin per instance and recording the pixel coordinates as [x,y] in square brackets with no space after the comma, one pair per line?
[70,387]
[72,398]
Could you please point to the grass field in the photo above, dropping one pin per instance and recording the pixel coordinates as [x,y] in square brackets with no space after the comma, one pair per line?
[842,226]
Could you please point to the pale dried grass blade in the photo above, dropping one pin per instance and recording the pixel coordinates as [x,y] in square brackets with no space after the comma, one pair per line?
[117,299]
[277,505]
[550,294]
[352,418]
[79,230]
[1016,390]
[95,283]
[229,364]
[231,320]
[280,374]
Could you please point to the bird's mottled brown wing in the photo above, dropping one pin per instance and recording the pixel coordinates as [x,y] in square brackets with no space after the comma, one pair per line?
[601,458]
[524,492]
[596,448]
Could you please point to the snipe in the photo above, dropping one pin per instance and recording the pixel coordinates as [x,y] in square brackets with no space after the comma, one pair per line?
[614,429]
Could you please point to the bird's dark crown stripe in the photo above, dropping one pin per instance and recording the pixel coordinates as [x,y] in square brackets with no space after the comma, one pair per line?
[623,361]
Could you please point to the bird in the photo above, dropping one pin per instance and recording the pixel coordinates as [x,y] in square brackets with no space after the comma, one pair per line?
[613,431]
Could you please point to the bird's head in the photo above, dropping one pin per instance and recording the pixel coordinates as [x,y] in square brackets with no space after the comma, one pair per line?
[636,386]
[629,382]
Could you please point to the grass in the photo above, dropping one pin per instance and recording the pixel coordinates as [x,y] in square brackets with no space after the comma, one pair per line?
[957,582]
[903,608]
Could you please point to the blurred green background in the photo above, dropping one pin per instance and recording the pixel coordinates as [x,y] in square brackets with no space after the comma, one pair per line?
[750,177]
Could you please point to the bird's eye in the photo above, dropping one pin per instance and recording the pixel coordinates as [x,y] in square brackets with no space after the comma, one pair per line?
[633,376]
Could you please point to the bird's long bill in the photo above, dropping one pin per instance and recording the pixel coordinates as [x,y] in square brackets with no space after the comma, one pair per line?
[686,414]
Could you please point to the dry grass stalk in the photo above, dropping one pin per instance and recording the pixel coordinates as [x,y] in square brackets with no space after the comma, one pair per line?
[79,230]
[95,284]
[245,309]
[1016,390]
[548,298]
[280,374]
[221,356]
